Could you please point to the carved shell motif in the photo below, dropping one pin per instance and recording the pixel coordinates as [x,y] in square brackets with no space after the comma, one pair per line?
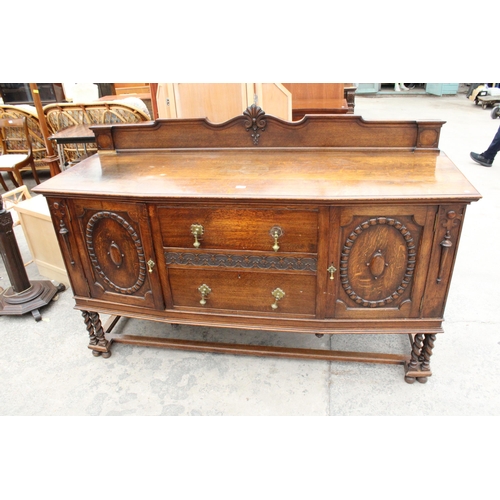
[255,121]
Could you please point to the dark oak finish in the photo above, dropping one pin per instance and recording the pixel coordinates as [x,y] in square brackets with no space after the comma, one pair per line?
[327,225]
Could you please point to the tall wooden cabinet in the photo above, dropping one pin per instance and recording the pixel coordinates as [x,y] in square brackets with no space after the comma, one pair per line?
[329,225]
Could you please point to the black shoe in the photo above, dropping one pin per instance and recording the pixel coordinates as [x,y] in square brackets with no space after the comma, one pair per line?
[481,160]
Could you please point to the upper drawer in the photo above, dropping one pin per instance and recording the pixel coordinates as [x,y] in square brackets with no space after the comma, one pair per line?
[280,230]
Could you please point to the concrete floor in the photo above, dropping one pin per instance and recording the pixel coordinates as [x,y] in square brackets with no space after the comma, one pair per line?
[46,368]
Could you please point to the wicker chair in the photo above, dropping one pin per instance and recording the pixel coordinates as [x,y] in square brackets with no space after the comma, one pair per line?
[60,116]
[17,154]
[35,133]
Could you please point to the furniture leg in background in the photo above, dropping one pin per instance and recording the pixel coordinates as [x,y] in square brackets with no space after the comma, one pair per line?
[24,295]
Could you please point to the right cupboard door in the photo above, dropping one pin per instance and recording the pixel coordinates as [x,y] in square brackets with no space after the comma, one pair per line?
[382,255]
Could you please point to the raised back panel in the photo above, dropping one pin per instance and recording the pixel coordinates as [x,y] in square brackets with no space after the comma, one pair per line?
[256,129]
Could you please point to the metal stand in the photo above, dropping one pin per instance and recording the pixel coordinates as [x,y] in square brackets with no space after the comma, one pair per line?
[24,295]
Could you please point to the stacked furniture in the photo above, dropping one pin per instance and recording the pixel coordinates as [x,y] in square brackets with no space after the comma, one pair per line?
[219,102]
[59,116]
[35,133]
[321,98]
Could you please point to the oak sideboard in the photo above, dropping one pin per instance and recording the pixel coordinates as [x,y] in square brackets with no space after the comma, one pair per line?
[328,225]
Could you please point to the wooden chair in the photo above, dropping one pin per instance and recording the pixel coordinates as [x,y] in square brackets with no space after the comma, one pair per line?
[17,154]
[2,182]
[37,141]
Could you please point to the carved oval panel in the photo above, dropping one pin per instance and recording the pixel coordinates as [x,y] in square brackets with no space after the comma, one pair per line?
[116,252]
[377,264]
[428,138]
[104,141]
[378,261]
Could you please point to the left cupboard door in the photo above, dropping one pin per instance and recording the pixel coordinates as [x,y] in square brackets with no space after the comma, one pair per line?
[116,247]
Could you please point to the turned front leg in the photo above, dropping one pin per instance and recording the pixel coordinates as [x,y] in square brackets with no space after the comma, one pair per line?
[427,352]
[418,368]
[97,341]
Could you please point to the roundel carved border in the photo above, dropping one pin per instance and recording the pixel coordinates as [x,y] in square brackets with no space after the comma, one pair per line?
[344,263]
[138,246]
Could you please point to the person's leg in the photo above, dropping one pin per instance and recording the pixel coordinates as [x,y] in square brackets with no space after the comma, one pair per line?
[494,147]
[486,158]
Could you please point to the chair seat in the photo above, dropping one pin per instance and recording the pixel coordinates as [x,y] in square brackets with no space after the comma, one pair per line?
[9,160]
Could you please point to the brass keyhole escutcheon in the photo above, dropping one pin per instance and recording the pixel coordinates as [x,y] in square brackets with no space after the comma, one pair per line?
[151,264]
[276,232]
[197,231]
[331,270]
[204,290]
[278,294]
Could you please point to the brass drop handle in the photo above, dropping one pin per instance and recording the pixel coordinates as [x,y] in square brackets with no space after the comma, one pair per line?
[204,290]
[197,232]
[276,232]
[278,294]
[151,264]
[331,270]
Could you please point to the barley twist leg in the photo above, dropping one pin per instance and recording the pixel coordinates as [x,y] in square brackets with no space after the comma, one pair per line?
[99,332]
[426,355]
[91,331]
[98,342]
[416,350]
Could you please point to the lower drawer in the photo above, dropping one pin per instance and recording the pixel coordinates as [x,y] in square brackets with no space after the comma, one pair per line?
[270,292]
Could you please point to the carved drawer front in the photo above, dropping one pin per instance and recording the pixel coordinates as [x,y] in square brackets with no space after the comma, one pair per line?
[116,242]
[204,228]
[382,260]
[266,293]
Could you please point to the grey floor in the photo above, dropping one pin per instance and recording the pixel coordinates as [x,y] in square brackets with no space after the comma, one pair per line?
[46,368]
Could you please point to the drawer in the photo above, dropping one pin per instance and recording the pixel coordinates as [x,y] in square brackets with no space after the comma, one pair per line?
[240,229]
[244,291]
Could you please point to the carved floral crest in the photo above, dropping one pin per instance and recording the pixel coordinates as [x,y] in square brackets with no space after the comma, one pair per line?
[255,121]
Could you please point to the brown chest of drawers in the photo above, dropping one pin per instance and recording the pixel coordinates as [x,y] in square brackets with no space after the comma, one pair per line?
[327,225]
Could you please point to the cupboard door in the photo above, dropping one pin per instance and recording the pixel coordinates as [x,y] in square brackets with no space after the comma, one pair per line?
[116,243]
[382,254]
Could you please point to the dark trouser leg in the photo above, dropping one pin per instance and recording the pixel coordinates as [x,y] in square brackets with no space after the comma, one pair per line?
[494,147]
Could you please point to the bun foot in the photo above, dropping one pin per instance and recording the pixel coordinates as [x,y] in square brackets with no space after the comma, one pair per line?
[410,380]
[36,314]
[422,380]
[106,355]
[96,353]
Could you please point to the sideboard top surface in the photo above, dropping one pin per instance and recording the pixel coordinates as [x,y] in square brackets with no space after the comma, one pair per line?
[266,174]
